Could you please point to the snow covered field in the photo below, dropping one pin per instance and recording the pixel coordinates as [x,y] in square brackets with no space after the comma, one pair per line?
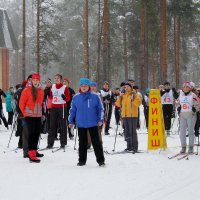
[142,176]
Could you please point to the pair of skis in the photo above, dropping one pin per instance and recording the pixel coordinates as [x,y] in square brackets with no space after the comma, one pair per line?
[54,149]
[181,156]
[121,152]
[12,150]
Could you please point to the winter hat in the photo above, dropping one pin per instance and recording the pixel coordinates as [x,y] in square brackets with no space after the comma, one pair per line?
[36,76]
[127,83]
[192,84]
[94,84]
[147,91]
[24,82]
[85,81]
[187,84]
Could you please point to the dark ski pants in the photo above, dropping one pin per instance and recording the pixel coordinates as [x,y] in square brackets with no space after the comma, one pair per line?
[3,118]
[146,115]
[96,143]
[117,115]
[167,114]
[34,127]
[130,126]
[57,120]
[107,114]
[25,140]
[197,125]
[10,118]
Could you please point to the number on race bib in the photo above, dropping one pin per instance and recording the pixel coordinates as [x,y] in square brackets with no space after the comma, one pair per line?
[186,106]
[167,99]
[55,99]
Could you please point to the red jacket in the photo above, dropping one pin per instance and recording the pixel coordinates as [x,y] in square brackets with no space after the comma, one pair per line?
[66,93]
[28,107]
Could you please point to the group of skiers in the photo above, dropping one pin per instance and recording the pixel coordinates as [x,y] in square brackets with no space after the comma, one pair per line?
[186,103]
[58,109]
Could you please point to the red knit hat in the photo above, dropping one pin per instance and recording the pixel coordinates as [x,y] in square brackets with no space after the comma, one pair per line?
[36,76]
[24,82]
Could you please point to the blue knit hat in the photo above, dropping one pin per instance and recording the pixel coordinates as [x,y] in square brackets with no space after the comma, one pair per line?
[147,90]
[94,84]
[85,81]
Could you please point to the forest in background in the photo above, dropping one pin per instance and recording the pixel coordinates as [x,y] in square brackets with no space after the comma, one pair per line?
[151,41]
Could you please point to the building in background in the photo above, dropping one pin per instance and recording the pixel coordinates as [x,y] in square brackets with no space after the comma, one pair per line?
[7,43]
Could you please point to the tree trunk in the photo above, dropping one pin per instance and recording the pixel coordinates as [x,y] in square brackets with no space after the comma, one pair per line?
[142,47]
[125,55]
[105,41]
[85,40]
[38,35]
[24,41]
[153,64]
[177,49]
[99,42]
[163,40]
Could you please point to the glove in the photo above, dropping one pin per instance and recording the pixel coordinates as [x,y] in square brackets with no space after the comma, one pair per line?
[179,109]
[70,125]
[63,96]
[194,109]
[107,97]
[100,123]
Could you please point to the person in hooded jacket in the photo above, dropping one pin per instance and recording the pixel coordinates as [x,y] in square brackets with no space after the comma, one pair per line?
[87,112]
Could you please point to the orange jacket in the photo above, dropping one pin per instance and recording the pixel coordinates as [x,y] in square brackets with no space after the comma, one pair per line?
[129,107]
[29,107]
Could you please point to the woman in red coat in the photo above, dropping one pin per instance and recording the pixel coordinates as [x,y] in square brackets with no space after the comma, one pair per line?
[31,106]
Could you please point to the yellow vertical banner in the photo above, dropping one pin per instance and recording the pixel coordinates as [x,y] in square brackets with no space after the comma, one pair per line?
[156,129]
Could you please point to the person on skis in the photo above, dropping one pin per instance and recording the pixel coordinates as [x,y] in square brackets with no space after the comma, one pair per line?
[129,103]
[30,104]
[60,96]
[168,97]
[187,107]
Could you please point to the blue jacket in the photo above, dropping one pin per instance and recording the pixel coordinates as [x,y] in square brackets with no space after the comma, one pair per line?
[86,110]
[9,102]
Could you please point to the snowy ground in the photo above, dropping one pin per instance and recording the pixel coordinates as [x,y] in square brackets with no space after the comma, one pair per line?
[143,176]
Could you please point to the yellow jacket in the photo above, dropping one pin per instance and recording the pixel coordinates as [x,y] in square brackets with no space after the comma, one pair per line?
[129,108]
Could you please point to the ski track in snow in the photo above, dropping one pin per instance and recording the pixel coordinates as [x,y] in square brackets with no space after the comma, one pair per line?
[143,176]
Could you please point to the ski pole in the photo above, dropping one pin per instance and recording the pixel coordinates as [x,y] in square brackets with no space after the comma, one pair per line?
[12,133]
[75,139]
[115,138]
[198,146]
